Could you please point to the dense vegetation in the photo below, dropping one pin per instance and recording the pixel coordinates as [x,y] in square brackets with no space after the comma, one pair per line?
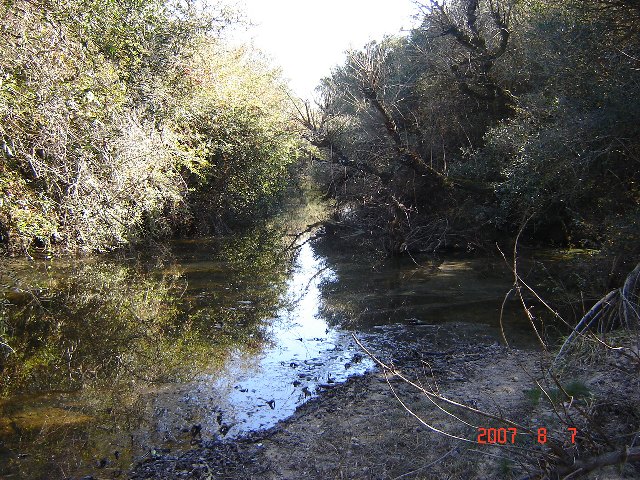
[129,119]
[490,113]
[498,121]
[126,120]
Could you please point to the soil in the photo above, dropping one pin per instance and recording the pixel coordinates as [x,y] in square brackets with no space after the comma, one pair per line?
[360,429]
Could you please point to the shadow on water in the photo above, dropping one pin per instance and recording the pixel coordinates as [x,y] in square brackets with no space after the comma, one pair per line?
[459,296]
[116,359]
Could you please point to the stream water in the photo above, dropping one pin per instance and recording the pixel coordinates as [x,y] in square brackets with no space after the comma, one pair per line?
[112,359]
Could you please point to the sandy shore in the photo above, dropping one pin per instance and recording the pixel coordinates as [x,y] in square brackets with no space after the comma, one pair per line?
[364,428]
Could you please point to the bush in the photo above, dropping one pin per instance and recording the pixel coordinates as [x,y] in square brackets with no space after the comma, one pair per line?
[121,121]
[236,128]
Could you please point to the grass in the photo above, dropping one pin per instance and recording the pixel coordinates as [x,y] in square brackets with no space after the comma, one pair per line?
[576,389]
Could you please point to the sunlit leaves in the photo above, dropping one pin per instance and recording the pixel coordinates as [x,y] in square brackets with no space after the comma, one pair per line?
[236,124]
[115,115]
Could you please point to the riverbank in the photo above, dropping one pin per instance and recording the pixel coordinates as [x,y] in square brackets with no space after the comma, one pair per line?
[218,333]
[437,321]
[360,430]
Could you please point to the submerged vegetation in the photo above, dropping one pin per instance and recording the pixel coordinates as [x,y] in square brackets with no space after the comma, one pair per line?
[125,120]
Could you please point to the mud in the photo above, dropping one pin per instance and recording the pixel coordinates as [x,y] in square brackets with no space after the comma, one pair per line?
[360,429]
[377,426]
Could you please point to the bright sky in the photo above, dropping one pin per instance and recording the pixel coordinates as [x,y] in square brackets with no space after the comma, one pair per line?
[306,38]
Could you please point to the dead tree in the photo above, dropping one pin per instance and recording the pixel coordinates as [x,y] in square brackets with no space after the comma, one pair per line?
[618,308]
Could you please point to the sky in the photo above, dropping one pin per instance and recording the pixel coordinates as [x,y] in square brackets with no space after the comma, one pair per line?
[307,38]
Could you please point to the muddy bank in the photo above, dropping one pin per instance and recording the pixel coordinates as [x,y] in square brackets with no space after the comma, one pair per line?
[361,430]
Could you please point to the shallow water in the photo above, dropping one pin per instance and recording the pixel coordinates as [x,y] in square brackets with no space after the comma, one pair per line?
[120,358]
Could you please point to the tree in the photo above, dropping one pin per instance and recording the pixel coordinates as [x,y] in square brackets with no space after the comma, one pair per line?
[481,32]
[114,125]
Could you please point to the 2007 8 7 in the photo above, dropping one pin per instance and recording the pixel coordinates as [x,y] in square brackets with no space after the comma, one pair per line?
[503,436]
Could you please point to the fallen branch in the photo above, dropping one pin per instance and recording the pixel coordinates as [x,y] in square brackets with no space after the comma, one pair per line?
[620,304]
[2,344]
[436,396]
[581,467]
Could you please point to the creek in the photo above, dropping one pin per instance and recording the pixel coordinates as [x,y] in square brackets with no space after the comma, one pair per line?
[121,357]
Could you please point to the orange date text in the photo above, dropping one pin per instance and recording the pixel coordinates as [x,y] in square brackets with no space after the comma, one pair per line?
[504,436]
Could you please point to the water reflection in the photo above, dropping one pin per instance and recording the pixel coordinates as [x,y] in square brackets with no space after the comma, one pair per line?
[458,296]
[305,355]
[210,338]
[94,341]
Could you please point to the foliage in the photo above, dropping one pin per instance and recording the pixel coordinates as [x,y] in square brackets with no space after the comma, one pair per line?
[489,112]
[576,389]
[569,151]
[236,127]
[108,108]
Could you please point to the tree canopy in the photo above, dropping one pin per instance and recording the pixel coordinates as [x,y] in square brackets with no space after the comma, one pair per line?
[490,112]
[121,120]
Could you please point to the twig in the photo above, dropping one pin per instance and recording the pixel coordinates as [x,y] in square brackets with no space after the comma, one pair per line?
[427,465]
[8,346]
[421,420]
[504,301]
[439,397]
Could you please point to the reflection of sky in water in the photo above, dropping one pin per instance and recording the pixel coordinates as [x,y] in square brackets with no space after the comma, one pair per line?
[302,319]
[305,355]
[398,308]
